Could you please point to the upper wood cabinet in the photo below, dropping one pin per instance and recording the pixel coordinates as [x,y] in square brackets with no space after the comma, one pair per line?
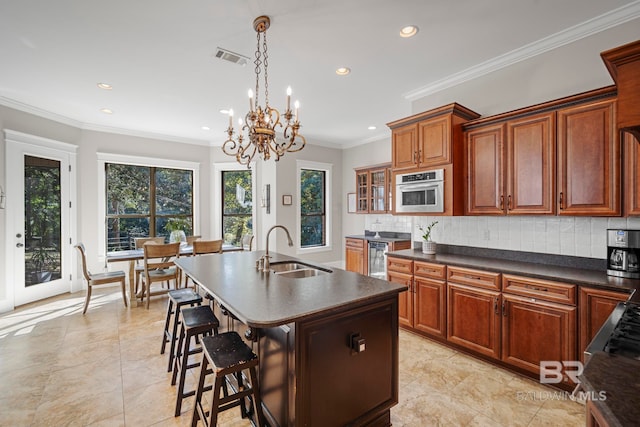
[485,172]
[531,165]
[428,139]
[373,189]
[511,167]
[588,160]
[631,183]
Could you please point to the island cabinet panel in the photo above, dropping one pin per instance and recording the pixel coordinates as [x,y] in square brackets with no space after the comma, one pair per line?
[356,256]
[631,183]
[595,307]
[588,160]
[534,330]
[349,363]
[485,172]
[531,165]
[473,319]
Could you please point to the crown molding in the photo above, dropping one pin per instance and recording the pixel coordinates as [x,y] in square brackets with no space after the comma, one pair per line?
[595,25]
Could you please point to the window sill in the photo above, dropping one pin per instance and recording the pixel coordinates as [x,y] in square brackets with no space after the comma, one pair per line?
[314,249]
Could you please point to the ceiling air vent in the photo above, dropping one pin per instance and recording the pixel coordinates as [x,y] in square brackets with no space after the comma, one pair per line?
[227,55]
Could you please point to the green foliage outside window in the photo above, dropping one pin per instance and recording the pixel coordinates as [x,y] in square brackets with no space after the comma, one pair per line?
[237,205]
[312,208]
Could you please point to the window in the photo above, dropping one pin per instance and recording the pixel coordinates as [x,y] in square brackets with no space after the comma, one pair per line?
[142,200]
[314,195]
[237,205]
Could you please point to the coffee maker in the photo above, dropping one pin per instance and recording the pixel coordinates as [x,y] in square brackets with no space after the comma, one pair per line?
[623,252]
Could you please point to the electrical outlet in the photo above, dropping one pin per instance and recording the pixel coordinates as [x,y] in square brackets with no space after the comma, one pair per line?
[486,235]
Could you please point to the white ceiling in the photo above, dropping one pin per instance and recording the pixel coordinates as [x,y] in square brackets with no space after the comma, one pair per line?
[158,55]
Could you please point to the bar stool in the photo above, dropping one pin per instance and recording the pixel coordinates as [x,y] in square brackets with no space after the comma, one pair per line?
[195,321]
[177,298]
[227,354]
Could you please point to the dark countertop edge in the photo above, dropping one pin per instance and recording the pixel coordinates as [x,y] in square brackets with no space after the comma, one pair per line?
[611,373]
[581,277]
[377,239]
[393,289]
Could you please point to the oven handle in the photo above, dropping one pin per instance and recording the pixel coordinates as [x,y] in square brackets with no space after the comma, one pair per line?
[431,184]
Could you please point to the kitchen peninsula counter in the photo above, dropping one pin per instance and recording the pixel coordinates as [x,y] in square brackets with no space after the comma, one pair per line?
[318,338]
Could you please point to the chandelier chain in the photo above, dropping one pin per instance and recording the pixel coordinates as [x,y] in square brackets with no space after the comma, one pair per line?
[266,64]
[258,63]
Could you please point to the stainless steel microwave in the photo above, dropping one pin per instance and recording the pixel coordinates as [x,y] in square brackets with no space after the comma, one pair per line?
[420,192]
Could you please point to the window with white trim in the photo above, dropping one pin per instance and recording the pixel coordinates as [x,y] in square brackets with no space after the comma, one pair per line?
[314,195]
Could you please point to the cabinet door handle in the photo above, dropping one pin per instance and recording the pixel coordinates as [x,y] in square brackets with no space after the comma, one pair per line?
[509,206]
[495,306]
[415,154]
[420,156]
[561,201]
[536,288]
[501,202]
[504,309]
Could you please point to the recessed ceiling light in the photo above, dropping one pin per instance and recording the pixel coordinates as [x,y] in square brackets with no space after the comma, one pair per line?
[343,71]
[409,31]
[106,110]
[105,86]
[205,128]
[371,128]
[223,111]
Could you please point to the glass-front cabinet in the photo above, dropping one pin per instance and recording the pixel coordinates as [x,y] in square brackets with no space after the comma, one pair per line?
[373,189]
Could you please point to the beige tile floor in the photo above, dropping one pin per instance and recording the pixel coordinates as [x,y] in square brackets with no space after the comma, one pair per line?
[60,368]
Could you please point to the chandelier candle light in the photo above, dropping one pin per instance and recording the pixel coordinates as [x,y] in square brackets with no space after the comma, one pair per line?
[260,123]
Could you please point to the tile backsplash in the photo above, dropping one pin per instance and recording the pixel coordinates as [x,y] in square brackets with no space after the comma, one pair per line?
[573,236]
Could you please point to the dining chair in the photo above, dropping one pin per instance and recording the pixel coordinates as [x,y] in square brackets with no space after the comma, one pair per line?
[202,247]
[159,266]
[99,278]
[191,239]
[139,242]
[247,242]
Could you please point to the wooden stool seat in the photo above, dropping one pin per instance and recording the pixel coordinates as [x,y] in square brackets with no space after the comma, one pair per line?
[227,354]
[177,299]
[195,321]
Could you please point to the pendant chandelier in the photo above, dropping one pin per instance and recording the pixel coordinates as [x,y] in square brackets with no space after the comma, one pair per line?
[260,123]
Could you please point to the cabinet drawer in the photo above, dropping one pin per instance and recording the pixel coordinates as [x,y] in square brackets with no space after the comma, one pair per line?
[400,265]
[426,269]
[545,290]
[478,278]
[355,243]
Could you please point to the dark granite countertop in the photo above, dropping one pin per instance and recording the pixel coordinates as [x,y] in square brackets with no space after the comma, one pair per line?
[578,276]
[618,378]
[382,236]
[265,300]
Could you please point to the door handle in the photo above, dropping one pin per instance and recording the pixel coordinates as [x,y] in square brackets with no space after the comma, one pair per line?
[19,245]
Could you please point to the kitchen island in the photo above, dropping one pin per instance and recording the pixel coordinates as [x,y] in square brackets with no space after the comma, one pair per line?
[327,343]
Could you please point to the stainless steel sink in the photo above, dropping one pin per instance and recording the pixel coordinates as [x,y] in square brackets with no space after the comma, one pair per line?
[296,269]
[303,272]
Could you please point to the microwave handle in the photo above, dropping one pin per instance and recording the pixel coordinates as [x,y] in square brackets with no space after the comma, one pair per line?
[418,186]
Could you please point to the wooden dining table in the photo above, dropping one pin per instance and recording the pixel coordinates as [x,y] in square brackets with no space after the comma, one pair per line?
[134,255]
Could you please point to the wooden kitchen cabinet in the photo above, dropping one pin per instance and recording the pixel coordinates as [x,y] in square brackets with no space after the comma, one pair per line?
[531,165]
[428,139]
[430,299]
[356,256]
[511,167]
[547,311]
[373,189]
[400,270]
[588,160]
[595,307]
[631,182]
[485,171]
[473,310]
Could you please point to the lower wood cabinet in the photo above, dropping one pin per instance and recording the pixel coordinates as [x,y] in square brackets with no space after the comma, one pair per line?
[594,416]
[473,318]
[429,299]
[595,307]
[356,256]
[534,330]
[400,270]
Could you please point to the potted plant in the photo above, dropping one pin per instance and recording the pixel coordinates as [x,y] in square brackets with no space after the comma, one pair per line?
[176,227]
[428,245]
